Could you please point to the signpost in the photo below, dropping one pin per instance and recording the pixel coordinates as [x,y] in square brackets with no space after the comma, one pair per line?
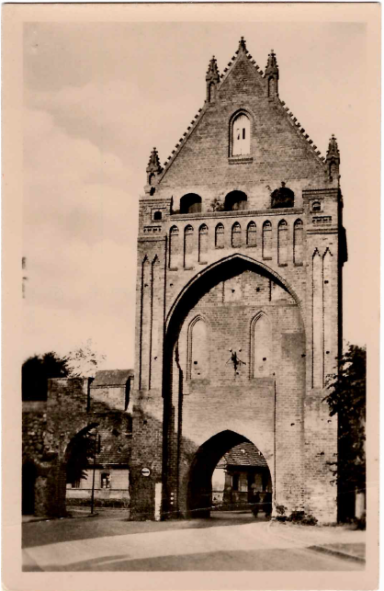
[145,471]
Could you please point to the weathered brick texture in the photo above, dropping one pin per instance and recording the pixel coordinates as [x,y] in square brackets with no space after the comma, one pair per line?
[257,280]
[238,313]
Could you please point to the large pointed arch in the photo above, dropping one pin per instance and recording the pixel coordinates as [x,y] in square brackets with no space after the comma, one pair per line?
[224,267]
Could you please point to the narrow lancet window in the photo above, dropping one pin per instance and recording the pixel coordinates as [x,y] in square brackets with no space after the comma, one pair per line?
[188,247]
[236,235]
[298,237]
[219,236]
[267,240]
[261,346]
[283,242]
[174,247]
[203,243]
[251,234]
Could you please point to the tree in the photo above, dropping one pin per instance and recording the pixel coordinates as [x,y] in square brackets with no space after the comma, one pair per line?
[347,400]
[36,371]
[84,361]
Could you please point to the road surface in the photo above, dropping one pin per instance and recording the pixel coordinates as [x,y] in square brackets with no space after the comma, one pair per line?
[226,542]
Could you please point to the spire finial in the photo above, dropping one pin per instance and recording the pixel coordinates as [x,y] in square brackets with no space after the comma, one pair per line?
[154,162]
[242,44]
[272,75]
[333,149]
[212,79]
[272,67]
[333,158]
[213,73]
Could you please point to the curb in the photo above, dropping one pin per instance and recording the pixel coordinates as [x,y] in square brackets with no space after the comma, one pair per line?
[337,553]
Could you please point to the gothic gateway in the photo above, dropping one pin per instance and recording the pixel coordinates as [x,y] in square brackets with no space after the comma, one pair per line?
[238,313]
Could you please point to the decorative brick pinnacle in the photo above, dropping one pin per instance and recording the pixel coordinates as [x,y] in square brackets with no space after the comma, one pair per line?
[154,162]
[272,68]
[213,73]
[333,149]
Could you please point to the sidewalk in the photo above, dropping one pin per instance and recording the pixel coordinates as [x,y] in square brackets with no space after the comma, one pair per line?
[341,540]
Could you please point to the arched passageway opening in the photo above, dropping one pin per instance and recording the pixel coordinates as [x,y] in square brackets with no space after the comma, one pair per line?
[28,479]
[235,200]
[245,482]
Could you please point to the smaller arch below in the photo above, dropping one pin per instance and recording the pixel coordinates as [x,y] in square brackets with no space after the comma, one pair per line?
[235,200]
[316,206]
[207,458]
[190,203]
[282,197]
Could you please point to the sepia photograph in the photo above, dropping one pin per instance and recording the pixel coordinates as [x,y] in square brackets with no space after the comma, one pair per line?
[191,198]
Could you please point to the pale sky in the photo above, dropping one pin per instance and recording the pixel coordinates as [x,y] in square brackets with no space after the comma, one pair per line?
[98,98]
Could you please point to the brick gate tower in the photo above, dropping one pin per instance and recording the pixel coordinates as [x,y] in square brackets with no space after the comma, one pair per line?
[238,304]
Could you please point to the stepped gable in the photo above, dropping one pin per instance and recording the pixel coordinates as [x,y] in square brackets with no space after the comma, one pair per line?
[203,148]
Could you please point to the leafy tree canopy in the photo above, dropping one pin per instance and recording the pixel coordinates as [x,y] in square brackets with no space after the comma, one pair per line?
[36,370]
[347,399]
[35,373]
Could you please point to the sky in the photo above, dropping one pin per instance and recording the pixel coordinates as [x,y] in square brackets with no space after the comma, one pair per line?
[98,97]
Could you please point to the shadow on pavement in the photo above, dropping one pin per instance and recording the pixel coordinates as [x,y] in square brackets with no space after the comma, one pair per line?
[41,533]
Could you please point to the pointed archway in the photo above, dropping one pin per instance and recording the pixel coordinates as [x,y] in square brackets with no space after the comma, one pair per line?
[199,500]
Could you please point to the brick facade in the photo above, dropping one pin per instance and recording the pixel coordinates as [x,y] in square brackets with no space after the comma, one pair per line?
[246,273]
[238,315]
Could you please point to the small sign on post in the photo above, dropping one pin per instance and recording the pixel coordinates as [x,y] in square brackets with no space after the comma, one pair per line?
[145,471]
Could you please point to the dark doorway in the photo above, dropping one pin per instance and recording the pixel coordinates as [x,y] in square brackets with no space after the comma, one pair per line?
[240,479]
[235,200]
[28,479]
[190,203]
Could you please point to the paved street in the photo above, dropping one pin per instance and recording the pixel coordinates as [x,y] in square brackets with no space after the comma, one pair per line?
[226,542]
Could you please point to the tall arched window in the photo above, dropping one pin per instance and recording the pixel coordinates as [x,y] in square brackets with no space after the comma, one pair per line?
[241,135]
[261,339]
[298,237]
[251,234]
[188,247]
[236,235]
[267,240]
[235,200]
[283,242]
[174,247]
[198,356]
[219,236]
[190,203]
[203,243]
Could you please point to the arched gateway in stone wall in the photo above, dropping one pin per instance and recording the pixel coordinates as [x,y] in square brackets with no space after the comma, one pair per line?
[238,314]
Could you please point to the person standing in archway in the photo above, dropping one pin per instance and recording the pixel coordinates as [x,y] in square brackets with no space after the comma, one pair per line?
[256,504]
